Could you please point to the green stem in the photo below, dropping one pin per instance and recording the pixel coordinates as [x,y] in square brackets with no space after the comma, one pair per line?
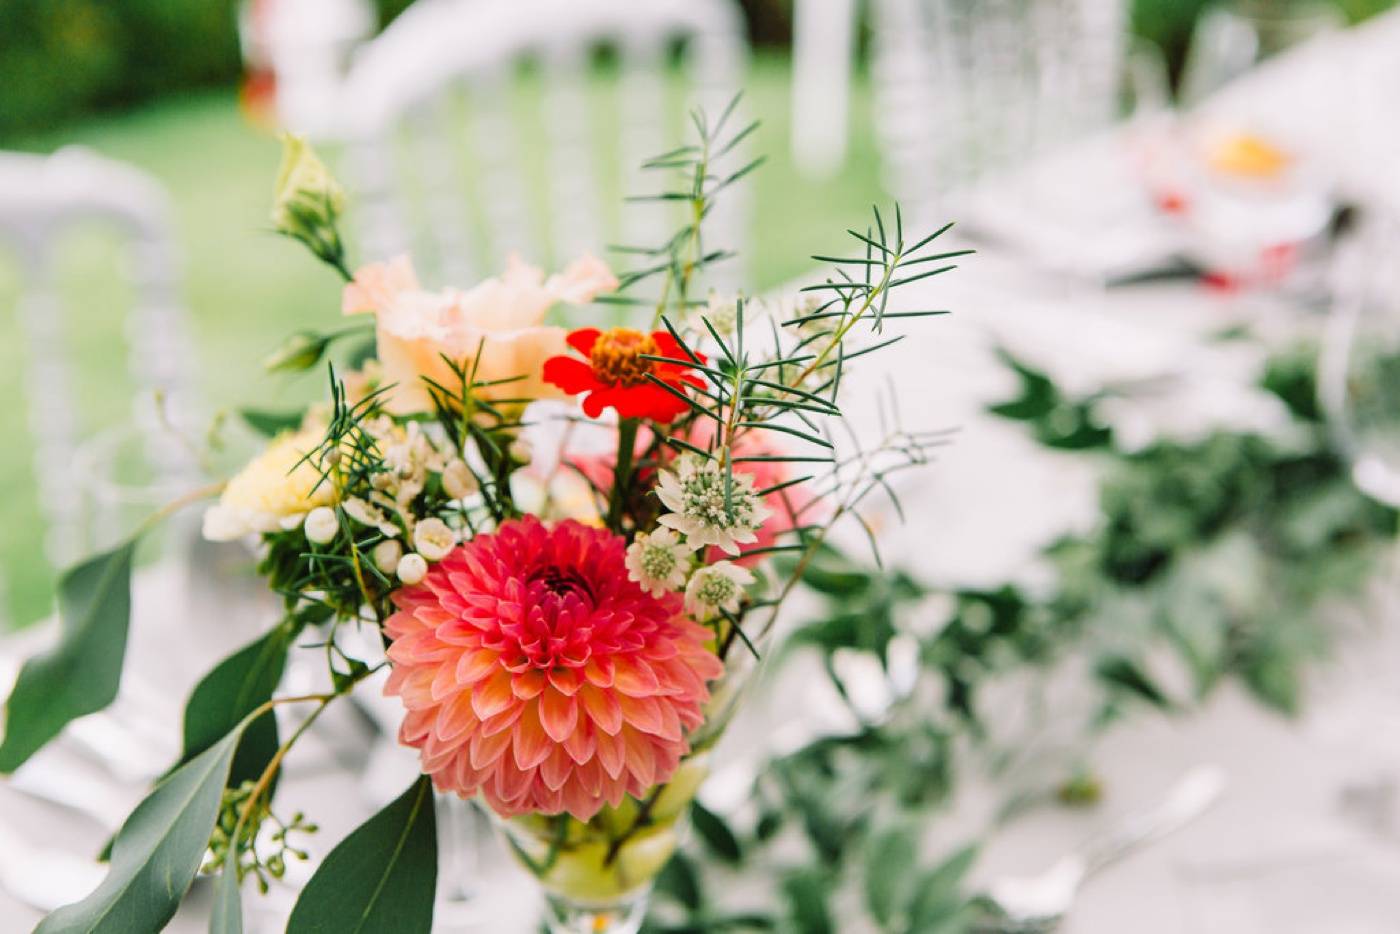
[622,480]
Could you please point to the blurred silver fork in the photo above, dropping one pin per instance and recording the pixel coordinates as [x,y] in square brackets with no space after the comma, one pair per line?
[1036,904]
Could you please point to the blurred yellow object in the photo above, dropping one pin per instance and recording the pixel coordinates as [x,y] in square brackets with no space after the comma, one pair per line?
[1248,155]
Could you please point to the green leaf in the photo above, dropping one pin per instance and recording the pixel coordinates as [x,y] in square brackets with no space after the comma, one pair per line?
[156,853]
[82,673]
[888,871]
[716,833]
[238,685]
[381,878]
[1127,675]
[938,900]
[226,915]
[679,880]
[806,892]
[269,423]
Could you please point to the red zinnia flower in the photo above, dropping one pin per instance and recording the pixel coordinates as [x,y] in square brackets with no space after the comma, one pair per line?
[536,673]
[616,373]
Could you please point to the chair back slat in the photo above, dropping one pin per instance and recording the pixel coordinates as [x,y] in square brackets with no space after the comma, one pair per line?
[527,172]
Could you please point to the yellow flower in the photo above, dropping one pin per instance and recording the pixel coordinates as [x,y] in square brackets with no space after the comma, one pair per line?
[274,491]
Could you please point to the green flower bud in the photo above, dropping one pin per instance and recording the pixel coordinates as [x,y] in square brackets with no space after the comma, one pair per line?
[307,199]
[301,351]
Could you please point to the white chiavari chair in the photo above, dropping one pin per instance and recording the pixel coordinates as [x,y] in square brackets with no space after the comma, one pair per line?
[967,87]
[43,199]
[457,158]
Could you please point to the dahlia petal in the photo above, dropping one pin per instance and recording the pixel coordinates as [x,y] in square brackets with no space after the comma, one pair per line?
[527,684]
[485,750]
[492,696]
[502,721]
[590,776]
[580,744]
[612,753]
[600,671]
[565,680]
[578,802]
[556,769]
[531,744]
[475,665]
[455,718]
[603,708]
[558,714]
[641,756]
[635,677]
[641,712]
[444,683]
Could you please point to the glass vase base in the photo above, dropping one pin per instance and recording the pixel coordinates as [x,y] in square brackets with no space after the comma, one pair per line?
[567,916]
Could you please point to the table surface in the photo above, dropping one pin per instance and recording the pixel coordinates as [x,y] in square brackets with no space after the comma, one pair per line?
[1283,851]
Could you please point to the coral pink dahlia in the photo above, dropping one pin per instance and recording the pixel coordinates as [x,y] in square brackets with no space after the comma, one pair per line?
[536,673]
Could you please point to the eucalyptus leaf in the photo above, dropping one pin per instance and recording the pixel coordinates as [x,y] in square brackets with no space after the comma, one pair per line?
[716,833]
[156,853]
[379,880]
[238,685]
[81,674]
[226,914]
[889,870]
[806,892]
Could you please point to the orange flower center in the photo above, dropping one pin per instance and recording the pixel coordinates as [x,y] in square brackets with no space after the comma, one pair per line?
[617,356]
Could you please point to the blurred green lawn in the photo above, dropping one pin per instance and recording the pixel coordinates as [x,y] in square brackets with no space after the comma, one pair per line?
[245,287]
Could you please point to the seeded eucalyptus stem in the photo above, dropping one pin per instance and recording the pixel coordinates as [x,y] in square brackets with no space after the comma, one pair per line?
[622,478]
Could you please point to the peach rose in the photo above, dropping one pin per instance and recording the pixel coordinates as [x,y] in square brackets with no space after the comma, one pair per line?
[501,317]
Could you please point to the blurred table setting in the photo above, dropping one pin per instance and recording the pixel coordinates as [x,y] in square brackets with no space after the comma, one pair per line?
[1156,267]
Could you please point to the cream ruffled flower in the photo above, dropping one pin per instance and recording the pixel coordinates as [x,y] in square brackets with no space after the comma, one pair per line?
[501,317]
[694,493]
[716,587]
[658,561]
[274,491]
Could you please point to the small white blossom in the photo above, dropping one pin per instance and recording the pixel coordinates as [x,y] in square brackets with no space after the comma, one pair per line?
[699,510]
[412,568]
[433,539]
[458,481]
[321,525]
[386,555]
[366,514]
[722,312]
[520,451]
[715,587]
[658,561]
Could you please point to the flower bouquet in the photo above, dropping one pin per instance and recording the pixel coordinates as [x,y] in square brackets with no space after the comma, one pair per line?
[561,544]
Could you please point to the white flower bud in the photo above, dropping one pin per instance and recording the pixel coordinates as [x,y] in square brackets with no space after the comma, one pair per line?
[321,525]
[520,451]
[412,568]
[386,555]
[433,539]
[457,480]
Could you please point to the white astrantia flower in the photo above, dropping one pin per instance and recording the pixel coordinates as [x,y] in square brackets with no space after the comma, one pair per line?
[716,587]
[433,539]
[694,494]
[722,311]
[658,561]
[321,525]
[412,568]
